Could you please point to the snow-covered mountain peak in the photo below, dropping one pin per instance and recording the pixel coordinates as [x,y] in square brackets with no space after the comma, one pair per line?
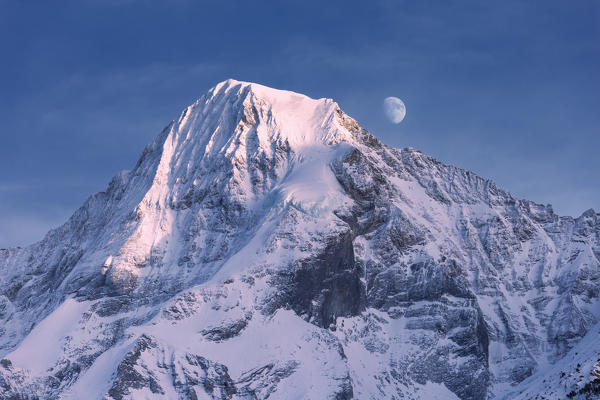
[277,114]
[241,152]
[243,130]
[266,224]
[250,135]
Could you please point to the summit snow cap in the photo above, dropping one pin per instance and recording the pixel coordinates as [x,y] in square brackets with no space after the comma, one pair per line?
[290,116]
[237,120]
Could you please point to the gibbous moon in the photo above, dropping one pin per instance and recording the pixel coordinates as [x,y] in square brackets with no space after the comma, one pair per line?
[394,109]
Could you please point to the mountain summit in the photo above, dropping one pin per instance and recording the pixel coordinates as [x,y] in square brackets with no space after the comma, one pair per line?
[267,246]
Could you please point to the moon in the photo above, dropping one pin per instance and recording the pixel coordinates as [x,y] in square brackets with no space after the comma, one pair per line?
[394,109]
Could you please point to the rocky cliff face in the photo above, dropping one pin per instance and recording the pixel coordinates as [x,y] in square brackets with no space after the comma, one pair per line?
[266,246]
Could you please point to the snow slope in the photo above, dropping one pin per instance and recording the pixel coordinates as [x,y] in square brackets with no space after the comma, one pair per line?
[267,246]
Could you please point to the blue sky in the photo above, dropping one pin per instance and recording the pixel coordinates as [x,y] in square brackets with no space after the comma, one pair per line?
[509,90]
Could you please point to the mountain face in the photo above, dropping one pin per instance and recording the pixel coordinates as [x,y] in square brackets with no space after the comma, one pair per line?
[267,246]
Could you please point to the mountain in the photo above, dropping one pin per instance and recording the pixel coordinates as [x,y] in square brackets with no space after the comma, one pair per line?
[265,245]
